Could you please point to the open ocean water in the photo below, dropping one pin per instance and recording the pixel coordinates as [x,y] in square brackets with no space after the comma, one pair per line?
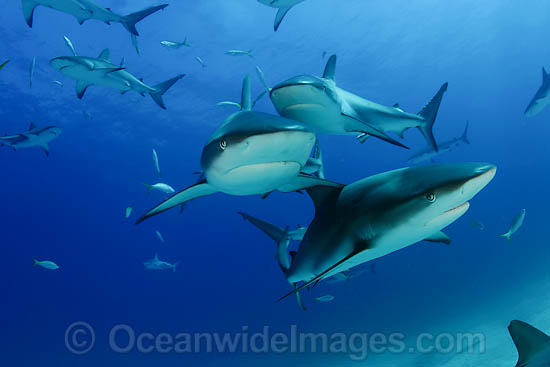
[69,207]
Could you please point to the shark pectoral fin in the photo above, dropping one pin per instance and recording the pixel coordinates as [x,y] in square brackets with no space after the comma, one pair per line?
[429,113]
[299,298]
[28,11]
[190,193]
[303,181]
[330,68]
[528,340]
[320,194]
[439,237]
[46,148]
[280,16]
[162,88]
[274,232]
[81,88]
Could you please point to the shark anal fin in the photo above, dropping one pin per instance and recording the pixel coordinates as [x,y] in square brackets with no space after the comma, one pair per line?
[81,88]
[439,237]
[528,340]
[280,16]
[188,194]
[28,11]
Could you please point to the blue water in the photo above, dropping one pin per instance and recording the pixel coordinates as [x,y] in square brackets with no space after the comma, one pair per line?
[69,207]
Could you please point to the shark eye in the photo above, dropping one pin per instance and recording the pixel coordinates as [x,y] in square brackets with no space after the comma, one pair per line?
[430,197]
[223,144]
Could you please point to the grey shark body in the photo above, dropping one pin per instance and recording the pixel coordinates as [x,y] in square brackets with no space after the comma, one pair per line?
[532,344]
[157,264]
[541,98]
[382,214]
[283,7]
[89,71]
[34,137]
[84,10]
[428,154]
[252,153]
[329,109]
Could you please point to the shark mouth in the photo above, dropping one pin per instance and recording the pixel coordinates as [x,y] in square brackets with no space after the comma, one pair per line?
[452,213]
[264,165]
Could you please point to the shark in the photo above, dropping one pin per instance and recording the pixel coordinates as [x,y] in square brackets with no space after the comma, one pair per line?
[84,10]
[381,214]
[89,71]
[156,264]
[34,137]
[428,154]
[283,7]
[532,344]
[251,153]
[319,102]
[541,98]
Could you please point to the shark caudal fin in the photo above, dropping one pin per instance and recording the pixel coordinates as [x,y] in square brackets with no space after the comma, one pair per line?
[464,136]
[162,88]
[429,113]
[36,262]
[280,16]
[507,235]
[529,341]
[129,21]
[174,267]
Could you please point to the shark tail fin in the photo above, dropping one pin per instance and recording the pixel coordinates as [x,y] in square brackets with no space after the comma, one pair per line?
[162,88]
[507,235]
[464,136]
[36,262]
[176,266]
[129,21]
[149,187]
[528,340]
[280,16]
[429,113]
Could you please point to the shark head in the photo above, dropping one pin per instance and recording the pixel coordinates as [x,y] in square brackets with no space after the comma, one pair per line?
[73,66]
[254,152]
[384,213]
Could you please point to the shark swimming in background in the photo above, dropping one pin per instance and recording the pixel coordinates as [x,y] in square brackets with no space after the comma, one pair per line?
[428,154]
[329,109]
[251,153]
[89,71]
[515,226]
[34,137]
[541,98]
[532,344]
[171,45]
[382,214]
[283,5]
[156,264]
[84,10]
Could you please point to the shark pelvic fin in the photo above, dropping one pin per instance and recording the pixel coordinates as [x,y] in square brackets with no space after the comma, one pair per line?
[330,68]
[28,11]
[81,88]
[129,21]
[192,192]
[429,113]
[528,340]
[161,88]
[246,95]
[280,16]
[439,237]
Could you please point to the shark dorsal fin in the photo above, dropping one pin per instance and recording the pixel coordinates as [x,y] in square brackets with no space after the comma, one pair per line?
[246,96]
[545,75]
[528,340]
[321,194]
[32,126]
[105,55]
[123,63]
[330,68]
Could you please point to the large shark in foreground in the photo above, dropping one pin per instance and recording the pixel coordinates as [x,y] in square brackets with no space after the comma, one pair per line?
[541,98]
[382,214]
[84,10]
[428,154]
[533,345]
[252,153]
[283,5]
[34,137]
[89,71]
[332,110]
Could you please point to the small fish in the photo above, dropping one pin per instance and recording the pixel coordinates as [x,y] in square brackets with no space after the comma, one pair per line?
[516,224]
[239,53]
[156,161]
[87,115]
[128,211]
[57,82]
[135,43]
[203,64]
[326,298]
[479,225]
[175,45]
[4,64]
[162,187]
[161,238]
[70,45]
[31,71]
[46,264]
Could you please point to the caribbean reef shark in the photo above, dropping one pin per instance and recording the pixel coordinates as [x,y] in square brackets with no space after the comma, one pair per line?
[533,345]
[156,264]
[84,10]
[251,153]
[89,71]
[541,98]
[382,214]
[34,137]
[332,110]
[283,5]
[428,154]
